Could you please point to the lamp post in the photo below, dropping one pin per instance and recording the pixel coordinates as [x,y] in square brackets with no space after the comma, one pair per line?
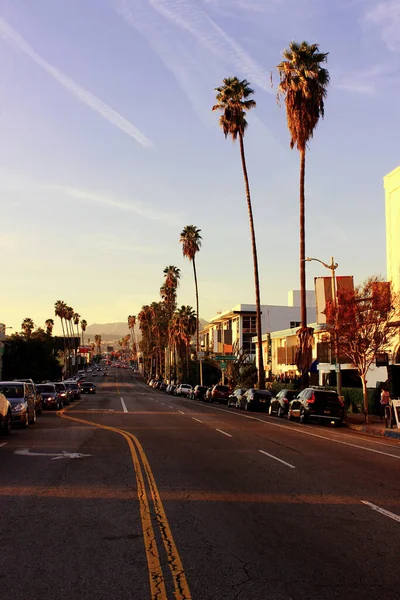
[332,267]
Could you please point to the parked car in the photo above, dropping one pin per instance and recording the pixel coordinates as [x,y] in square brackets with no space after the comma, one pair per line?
[88,387]
[236,396]
[50,397]
[22,398]
[220,393]
[184,389]
[317,403]
[255,400]
[38,401]
[5,415]
[280,403]
[198,392]
[74,389]
[207,395]
[63,392]
[163,386]
[171,389]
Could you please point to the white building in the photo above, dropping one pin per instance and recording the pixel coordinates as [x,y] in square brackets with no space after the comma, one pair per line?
[232,331]
[392,201]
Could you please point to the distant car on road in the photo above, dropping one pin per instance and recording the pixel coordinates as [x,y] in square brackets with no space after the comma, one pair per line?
[255,400]
[50,397]
[88,387]
[38,401]
[236,396]
[198,392]
[318,404]
[23,401]
[280,404]
[184,389]
[5,415]
[74,389]
[63,392]
[220,393]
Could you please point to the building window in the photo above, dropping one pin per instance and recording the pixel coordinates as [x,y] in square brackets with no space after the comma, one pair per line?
[249,325]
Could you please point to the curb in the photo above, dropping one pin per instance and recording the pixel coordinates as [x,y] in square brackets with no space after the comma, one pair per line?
[388,433]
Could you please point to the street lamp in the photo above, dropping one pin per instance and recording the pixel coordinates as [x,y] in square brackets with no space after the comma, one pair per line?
[332,267]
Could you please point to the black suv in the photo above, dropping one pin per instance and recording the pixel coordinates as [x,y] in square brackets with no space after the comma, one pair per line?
[317,403]
[280,404]
[199,392]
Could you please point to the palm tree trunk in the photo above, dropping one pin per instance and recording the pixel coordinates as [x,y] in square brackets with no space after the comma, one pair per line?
[261,372]
[197,306]
[303,305]
[187,360]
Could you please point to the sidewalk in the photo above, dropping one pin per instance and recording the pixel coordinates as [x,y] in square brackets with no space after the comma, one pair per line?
[374,427]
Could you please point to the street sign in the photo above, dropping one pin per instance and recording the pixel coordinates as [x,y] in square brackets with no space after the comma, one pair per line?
[225,357]
[201,355]
[223,365]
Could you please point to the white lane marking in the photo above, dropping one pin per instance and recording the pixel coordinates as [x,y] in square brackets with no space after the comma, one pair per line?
[378,509]
[123,405]
[295,429]
[163,403]
[64,454]
[3,444]
[198,420]
[278,459]
[169,406]
[181,411]
[224,432]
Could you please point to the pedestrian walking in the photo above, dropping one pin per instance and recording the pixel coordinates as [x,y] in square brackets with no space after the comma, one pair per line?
[385,399]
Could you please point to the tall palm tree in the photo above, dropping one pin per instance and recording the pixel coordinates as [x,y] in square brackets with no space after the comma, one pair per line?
[49,326]
[76,318]
[191,244]
[131,325]
[83,328]
[27,326]
[303,84]
[234,100]
[168,293]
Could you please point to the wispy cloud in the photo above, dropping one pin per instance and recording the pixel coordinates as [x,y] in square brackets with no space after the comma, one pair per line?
[367,81]
[16,184]
[12,37]
[386,16]
[209,34]
[114,243]
[137,208]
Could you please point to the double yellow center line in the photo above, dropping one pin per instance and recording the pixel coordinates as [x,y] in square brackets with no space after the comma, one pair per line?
[156,577]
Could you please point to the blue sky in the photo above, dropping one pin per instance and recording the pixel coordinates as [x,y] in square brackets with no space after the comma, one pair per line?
[109,147]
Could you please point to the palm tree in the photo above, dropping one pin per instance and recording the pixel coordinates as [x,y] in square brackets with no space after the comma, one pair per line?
[303,84]
[76,318]
[131,325]
[184,326]
[191,244]
[27,326]
[83,328]
[168,294]
[49,326]
[233,99]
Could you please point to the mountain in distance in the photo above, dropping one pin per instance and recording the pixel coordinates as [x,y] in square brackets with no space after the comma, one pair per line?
[111,332]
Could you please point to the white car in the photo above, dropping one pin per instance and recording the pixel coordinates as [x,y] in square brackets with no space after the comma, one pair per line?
[184,390]
[5,415]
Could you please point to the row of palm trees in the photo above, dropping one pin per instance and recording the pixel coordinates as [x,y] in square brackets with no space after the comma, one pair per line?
[167,330]
[69,319]
[303,85]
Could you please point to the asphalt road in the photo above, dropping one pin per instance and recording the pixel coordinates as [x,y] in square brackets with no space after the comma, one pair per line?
[135,494]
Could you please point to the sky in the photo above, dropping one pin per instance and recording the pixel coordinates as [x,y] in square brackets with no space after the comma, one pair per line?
[109,148]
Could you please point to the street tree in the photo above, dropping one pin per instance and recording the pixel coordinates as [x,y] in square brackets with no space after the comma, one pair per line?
[363,323]
[27,326]
[234,100]
[83,329]
[303,84]
[49,326]
[191,243]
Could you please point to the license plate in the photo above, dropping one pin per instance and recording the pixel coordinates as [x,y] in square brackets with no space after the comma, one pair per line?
[327,412]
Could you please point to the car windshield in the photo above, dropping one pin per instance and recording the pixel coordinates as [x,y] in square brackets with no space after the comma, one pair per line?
[46,389]
[12,391]
[60,386]
[222,388]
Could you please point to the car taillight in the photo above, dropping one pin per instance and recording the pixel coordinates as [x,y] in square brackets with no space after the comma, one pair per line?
[285,400]
[312,399]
